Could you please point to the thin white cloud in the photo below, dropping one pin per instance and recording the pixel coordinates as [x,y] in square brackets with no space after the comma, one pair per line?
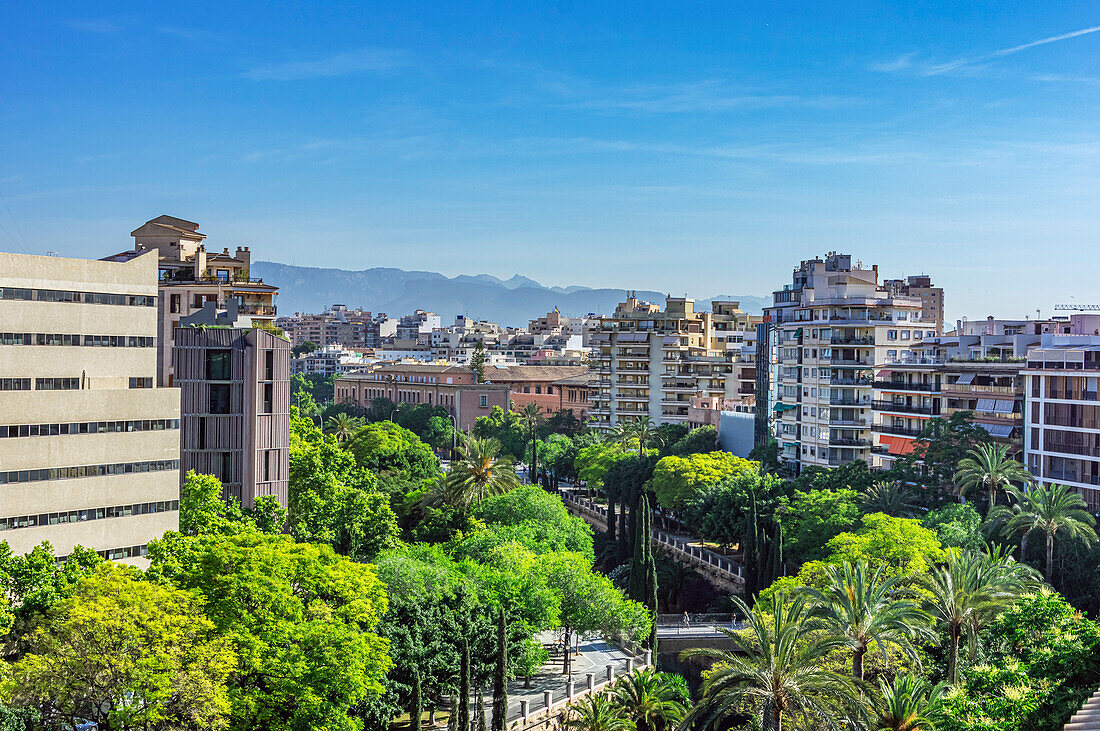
[963,62]
[901,63]
[695,97]
[364,60]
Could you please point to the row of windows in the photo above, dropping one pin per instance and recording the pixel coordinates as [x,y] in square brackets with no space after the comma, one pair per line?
[88,298]
[95,341]
[86,427]
[90,470]
[81,516]
[15,384]
[141,382]
[114,554]
[56,384]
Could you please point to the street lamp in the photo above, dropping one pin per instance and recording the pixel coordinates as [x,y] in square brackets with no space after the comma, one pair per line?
[392,414]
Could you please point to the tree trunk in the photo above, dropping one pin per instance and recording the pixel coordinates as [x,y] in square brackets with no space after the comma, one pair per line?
[953,657]
[1049,573]
[416,705]
[1023,546]
[500,677]
[567,660]
[857,664]
[777,719]
[612,521]
[463,701]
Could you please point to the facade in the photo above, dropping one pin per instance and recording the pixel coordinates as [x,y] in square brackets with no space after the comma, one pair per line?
[535,384]
[191,276]
[575,393]
[331,360]
[453,387]
[89,445]
[920,286]
[1062,416]
[339,326]
[651,363]
[832,326]
[234,382]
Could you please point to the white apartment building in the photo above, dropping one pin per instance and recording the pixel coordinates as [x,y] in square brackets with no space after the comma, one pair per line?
[331,360]
[1062,415]
[89,445]
[832,327]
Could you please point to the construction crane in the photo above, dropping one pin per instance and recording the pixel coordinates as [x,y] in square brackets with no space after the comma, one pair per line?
[1080,308]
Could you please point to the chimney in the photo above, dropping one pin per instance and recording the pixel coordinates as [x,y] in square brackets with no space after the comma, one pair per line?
[989,326]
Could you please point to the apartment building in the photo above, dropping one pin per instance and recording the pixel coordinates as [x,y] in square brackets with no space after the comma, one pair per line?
[339,325]
[652,362]
[89,445]
[977,368]
[331,360]
[190,276]
[1062,416]
[831,327]
[234,381]
[920,286]
[453,387]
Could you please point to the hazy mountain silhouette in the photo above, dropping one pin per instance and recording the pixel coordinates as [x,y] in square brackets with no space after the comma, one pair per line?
[396,292]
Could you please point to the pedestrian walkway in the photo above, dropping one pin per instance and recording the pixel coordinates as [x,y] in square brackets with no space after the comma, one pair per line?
[1088,718]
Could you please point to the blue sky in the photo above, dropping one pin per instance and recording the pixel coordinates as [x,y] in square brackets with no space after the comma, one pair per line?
[685,147]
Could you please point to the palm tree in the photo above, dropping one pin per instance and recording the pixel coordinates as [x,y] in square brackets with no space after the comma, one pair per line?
[479,471]
[967,591]
[893,498]
[653,701]
[906,704]
[643,429]
[596,712]
[531,416]
[343,426]
[776,671]
[989,466]
[1052,509]
[860,606]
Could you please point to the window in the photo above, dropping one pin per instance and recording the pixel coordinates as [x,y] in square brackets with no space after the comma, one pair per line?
[904,334]
[269,397]
[550,389]
[891,334]
[15,384]
[538,389]
[484,400]
[217,365]
[219,398]
[175,304]
[141,382]
[269,365]
[56,384]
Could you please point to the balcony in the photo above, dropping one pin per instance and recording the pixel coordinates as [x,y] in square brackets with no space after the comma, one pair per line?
[848,442]
[256,309]
[851,341]
[905,408]
[845,381]
[839,421]
[849,401]
[902,386]
[843,362]
[900,431]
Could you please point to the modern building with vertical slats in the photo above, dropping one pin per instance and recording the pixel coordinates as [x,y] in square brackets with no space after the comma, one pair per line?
[234,382]
[89,445]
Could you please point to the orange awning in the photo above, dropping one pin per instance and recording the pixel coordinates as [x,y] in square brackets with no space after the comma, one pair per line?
[898,445]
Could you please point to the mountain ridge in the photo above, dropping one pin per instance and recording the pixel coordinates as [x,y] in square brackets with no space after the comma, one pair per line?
[513,301]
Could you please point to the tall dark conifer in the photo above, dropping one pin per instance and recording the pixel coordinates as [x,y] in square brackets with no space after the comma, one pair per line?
[500,676]
[463,701]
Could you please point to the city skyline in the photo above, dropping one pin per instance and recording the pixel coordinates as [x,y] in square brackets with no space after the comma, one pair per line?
[632,147]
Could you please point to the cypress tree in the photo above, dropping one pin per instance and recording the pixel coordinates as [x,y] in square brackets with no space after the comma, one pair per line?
[480,711]
[500,676]
[416,703]
[636,585]
[463,704]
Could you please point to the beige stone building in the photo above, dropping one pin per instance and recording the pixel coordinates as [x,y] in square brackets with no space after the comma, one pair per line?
[653,363]
[89,445]
[190,276]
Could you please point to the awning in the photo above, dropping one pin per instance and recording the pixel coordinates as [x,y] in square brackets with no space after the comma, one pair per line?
[780,408]
[997,430]
[965,379]
[987,405]
[798,333]
[884,374]
[1004,407]
[897,445]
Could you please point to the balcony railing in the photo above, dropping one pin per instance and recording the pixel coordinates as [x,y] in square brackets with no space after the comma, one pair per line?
[851,341]
[903,386]
[847,442]
[847,422]
[901,431]
[905,408]
[849,401]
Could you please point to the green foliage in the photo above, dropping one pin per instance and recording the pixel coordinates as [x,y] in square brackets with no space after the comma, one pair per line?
[697,441]
[677,480]
[853,476]
[477,362]
[479,471]
[127,654]
[300,618]
[988,467]
[320,389]
[651,700]
[33,584]
[537,517]
[936,454]
[387,447]
[956,526]
[302,349]
[506,428]
[811,519]
[205,509]
[593,462]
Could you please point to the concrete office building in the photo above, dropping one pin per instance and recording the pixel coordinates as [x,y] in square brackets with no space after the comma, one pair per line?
[234,382]
[89,446]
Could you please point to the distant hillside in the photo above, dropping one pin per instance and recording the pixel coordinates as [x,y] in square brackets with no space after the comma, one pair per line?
[397,292]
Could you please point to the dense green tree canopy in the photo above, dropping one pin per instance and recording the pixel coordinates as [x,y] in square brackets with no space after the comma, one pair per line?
[677,480]
[811,519]
[386,447]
